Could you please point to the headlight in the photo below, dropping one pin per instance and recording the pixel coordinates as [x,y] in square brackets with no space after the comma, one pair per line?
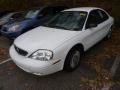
[42,55]
[14,28]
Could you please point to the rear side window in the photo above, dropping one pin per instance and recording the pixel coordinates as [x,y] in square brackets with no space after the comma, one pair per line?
[103,15]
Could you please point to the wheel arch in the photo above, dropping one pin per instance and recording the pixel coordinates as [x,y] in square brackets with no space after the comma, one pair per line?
[79,45]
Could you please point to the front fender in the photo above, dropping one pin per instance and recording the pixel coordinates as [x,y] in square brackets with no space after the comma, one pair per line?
[62,51]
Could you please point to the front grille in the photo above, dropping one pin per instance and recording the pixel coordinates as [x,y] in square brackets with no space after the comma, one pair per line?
[20,51]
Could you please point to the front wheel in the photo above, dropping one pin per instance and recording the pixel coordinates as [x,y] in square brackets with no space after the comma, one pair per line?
[73,59]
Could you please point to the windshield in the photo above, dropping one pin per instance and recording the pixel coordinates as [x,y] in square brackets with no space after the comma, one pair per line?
[32,14]
[69,20]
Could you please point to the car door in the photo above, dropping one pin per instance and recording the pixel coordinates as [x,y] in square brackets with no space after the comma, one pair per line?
[94,29]
[106,23]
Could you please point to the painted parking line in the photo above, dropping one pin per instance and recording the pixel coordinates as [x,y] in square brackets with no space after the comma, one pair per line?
[113,71]
[115,66]
[5,61]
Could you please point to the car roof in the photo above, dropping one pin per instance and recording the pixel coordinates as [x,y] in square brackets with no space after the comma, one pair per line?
[2,13]
[87,9]
[16,12]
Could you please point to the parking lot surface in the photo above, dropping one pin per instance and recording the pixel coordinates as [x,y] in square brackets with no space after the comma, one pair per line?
[4,48]
[95,69]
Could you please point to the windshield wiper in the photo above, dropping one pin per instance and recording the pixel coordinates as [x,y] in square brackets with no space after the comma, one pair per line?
[76,29]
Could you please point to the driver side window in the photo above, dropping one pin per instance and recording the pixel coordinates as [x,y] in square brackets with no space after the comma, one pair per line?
[93,18]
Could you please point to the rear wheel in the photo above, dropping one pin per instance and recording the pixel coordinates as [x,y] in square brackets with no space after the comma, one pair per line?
[73,59]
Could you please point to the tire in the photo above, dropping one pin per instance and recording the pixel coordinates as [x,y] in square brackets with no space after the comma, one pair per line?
[73,59]
[109,35]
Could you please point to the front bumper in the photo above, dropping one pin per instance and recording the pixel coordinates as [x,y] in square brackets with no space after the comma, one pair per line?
[35,66]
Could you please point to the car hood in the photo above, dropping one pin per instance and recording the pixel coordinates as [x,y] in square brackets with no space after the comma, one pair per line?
[43,38]
[22,22]
[10,22]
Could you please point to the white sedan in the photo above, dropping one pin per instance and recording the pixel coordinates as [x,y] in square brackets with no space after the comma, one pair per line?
[61,42]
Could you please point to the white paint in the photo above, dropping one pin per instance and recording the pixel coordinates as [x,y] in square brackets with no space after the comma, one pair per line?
[5,61]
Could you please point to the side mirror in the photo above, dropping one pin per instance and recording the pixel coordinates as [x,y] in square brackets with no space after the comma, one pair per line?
[92,25]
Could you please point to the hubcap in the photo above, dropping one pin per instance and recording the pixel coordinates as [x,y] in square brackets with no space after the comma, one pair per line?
[75,59]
